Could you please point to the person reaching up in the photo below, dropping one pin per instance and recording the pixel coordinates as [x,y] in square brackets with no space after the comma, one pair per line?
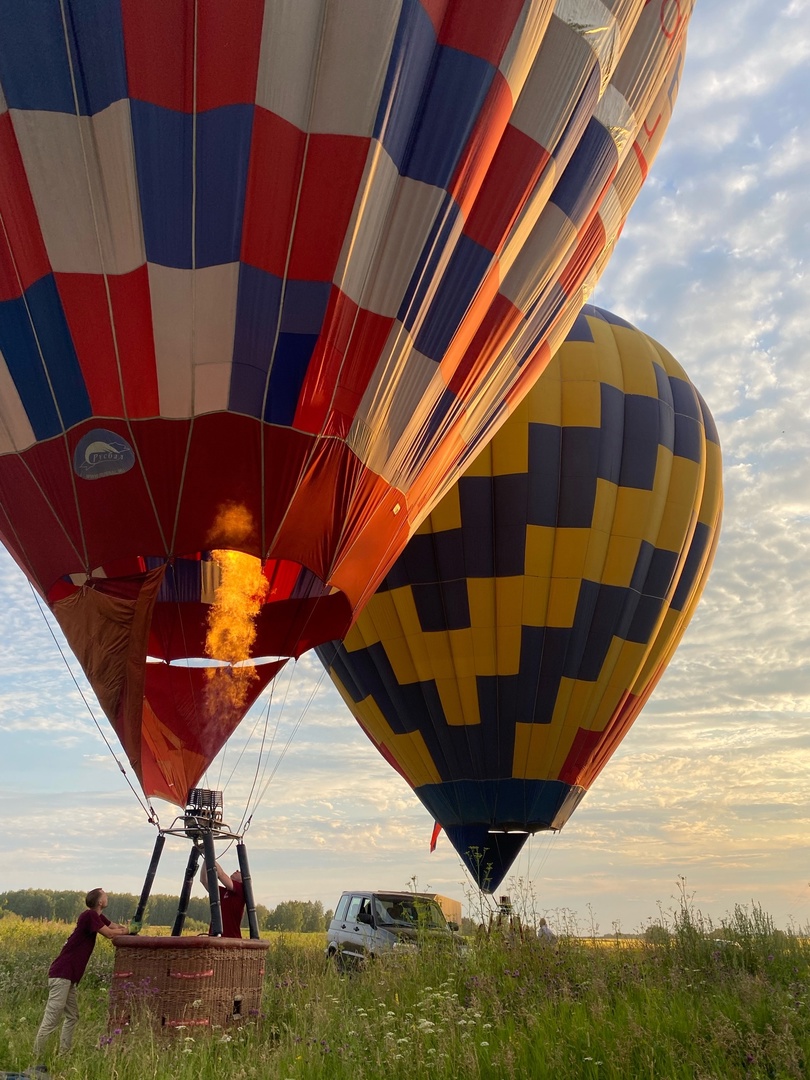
[231,900]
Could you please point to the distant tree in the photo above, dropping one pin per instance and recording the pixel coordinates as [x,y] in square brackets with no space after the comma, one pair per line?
[199,908]
[30,903]
[297,916]
[161,910]
[121,906]
[67,906]
[313,917]
[287,916]
[656,934]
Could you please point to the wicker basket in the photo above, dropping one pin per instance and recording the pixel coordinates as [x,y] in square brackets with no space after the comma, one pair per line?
[180,982]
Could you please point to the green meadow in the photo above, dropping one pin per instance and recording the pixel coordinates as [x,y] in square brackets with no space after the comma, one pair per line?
[685,999]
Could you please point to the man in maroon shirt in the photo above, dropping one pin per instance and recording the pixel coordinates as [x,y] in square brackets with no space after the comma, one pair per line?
[66,971]
[231,900]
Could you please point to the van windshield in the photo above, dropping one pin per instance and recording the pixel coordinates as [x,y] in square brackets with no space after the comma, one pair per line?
[393,910]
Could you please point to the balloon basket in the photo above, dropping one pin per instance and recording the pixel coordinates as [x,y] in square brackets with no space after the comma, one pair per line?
[172,984]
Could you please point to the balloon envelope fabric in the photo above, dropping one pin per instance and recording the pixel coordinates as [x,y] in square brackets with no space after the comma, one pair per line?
[516,639]
[294,260]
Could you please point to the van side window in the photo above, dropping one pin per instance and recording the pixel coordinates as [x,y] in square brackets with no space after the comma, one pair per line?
[340,914]
[354,908]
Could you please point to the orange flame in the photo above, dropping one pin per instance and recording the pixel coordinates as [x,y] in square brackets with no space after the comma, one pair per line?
[233,525]
[232,627]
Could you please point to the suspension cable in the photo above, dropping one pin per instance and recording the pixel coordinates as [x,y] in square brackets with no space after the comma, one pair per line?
[243,751]
[262,765]
[148,809]
[285,748]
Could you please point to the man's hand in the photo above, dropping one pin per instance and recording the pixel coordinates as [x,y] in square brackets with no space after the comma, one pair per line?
[113,930]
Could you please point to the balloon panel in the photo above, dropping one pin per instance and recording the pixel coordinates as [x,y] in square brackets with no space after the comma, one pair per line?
[187,719]
[513,643]
[171,721]
[189,586]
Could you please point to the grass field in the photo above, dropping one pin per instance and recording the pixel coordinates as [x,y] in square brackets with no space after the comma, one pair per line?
[692,1001]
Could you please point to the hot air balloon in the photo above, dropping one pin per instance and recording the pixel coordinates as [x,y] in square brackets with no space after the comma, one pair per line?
[269,274]
[525,625]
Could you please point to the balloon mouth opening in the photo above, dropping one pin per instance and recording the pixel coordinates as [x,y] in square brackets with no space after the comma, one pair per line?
[509,832]
[209,662]
[282,578]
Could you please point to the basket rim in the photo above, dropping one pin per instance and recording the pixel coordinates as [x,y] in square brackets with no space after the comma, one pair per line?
[201,941]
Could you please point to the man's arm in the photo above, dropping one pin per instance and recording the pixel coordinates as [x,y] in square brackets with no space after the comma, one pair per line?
[223,877]
[113,930]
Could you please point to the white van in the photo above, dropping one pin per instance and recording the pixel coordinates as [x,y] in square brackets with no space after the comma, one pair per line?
[366,924]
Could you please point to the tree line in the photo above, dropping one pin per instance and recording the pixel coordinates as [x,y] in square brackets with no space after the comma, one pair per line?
[65,905]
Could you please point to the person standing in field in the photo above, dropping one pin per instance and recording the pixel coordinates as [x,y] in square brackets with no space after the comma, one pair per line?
[66,971]
[545,933]
[231,900]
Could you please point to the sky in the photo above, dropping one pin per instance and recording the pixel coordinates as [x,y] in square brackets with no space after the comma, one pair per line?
[707,795]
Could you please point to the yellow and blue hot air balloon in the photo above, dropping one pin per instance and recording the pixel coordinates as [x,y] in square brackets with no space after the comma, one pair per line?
[516,639]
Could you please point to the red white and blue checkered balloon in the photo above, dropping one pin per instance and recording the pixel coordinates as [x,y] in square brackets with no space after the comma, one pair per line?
[296,259]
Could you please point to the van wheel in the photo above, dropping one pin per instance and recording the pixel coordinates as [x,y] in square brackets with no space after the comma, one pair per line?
[339,960]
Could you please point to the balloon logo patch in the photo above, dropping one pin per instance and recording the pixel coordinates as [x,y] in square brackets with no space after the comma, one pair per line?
[102,453]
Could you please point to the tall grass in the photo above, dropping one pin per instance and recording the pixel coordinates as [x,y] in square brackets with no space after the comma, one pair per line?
[690,1000]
